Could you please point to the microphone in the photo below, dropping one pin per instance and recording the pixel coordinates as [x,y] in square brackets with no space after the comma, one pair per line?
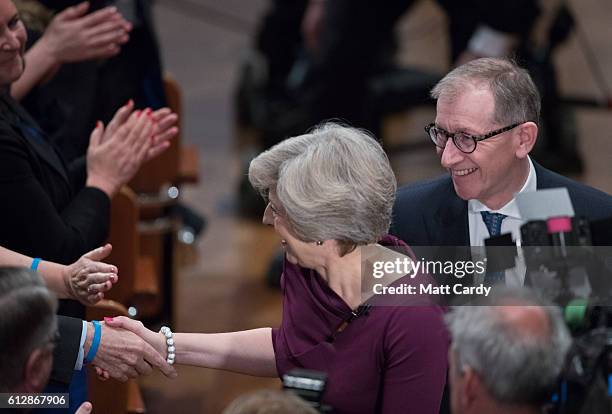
[559,230]
[361,310]
[601,232]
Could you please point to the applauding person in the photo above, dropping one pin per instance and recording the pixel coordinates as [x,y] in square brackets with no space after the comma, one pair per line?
[51,209]
[72,36]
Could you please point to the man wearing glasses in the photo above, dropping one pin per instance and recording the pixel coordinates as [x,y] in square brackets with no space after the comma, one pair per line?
[486,124]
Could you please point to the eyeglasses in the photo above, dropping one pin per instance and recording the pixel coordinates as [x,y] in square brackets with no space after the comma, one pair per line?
[464,142]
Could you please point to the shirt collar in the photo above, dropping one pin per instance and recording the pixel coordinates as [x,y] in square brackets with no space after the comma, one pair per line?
[511,208]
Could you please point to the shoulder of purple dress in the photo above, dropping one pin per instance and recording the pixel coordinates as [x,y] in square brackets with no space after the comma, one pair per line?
[389,240]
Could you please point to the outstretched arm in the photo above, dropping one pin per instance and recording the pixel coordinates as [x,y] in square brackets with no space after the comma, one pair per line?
[247,352]
[85,280]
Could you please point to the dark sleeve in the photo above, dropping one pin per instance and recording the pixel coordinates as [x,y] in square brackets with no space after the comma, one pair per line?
[31,222]
[67,350]
[77,172]
[416,346]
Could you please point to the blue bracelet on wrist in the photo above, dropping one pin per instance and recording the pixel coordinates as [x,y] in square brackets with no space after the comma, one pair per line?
[35,263]
[95,343]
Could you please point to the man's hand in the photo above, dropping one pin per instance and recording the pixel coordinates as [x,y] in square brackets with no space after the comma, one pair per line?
[123,354]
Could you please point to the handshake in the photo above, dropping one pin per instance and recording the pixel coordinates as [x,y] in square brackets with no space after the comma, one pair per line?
[127,350]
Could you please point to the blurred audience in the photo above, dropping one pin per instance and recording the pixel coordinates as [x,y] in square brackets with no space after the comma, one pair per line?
[269,402]
[315,60]
[506,355]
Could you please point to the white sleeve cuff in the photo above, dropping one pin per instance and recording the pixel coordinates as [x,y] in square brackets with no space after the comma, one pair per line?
[491,43]
[79,362]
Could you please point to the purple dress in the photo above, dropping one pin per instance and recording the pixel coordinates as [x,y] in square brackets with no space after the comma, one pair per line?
[391,360]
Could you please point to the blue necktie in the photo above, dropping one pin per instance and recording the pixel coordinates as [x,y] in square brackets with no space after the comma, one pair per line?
[493,221]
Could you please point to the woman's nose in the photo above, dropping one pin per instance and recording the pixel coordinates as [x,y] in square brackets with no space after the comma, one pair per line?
[10,41]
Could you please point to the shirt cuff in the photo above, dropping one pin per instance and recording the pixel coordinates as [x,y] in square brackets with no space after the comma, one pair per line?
[79,362]
[491,43]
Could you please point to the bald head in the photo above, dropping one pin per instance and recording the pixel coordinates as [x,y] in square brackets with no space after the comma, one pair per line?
[515,343]
[528,321]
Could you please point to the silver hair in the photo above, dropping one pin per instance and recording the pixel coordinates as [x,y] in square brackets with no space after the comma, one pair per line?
[516,97]
[515,367]
[333,183]
[27,321]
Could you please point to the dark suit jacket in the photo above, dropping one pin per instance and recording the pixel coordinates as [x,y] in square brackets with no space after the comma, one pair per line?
[45,211]
[67,350]
[431,214]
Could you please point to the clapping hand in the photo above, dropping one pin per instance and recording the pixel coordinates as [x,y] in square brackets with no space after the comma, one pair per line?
[117,151]
[74,36]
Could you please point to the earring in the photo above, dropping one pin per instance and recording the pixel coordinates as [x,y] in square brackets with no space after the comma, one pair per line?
[319,243]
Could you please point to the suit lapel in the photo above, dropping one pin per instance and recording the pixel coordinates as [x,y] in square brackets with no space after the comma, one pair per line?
[27,127]
[544,178]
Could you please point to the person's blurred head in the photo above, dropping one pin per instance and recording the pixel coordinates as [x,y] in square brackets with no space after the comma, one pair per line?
[506,353]
[333,185]
[269,402]
[12,44]
[477,99]
[28,329]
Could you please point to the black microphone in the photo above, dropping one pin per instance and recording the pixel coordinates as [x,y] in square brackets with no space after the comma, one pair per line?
[601,232]
[361,310]
[501,252]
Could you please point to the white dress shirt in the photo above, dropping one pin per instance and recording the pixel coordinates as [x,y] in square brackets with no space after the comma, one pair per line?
[511,224]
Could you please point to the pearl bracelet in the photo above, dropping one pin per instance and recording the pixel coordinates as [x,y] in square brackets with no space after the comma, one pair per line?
[170,344]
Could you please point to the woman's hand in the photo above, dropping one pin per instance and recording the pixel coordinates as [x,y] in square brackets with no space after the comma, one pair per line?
[116,152]
[156,339]
[73,36]
[87,279]
[164,129]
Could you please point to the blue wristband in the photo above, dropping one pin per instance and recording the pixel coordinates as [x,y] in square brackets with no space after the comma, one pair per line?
[93,349]
[35,263]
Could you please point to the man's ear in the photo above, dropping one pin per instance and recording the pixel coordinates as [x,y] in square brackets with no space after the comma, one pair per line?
[37,369]
[471,388]
[527,136]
